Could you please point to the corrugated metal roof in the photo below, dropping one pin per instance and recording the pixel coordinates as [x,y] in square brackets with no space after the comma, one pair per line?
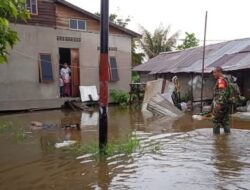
[230,55]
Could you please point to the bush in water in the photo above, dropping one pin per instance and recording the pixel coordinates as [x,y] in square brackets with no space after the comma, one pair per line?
[119,97]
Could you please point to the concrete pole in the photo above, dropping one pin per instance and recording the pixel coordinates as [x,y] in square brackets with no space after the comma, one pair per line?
[104,75]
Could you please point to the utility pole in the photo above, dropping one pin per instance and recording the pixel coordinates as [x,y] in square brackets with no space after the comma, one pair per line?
[203,61]
[104,75]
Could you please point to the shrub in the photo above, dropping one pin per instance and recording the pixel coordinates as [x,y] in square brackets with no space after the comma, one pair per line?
[186,97]
[112,148]
[5,127]
[119,97]
[135,77]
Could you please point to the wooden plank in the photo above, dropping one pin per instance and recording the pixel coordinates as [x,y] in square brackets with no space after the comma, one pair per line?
[75,72]
[45,17]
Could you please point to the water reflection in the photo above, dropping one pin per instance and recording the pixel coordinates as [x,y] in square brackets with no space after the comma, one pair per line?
[189,155]
[103,177]
[89,119]
[227,160]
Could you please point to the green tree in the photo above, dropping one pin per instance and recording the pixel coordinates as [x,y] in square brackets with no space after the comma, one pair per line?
[10,10]
[113,17]
[189,41]
[158,41]
[137,57]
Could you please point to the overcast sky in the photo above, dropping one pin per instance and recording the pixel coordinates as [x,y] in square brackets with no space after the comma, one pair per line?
[227,19]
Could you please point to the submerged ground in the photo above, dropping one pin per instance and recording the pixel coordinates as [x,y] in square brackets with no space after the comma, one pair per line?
[188,155]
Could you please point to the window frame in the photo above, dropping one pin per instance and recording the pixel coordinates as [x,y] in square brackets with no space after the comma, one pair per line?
[41,71]
[30,10]
[110,70]
[77,28]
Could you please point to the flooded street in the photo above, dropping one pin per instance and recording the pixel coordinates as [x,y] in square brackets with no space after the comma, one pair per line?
[182,154]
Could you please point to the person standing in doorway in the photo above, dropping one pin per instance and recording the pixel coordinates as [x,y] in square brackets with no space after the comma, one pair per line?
[65,73]
[221,102]
[61,86]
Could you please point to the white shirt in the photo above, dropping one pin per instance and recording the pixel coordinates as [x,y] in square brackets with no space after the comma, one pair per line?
[65,73]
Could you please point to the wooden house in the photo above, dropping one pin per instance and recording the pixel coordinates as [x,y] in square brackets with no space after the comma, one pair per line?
[60,32]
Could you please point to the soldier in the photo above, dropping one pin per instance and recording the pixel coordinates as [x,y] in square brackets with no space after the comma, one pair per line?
[221,102]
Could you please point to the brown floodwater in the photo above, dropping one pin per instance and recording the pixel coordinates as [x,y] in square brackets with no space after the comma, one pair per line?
[188,156]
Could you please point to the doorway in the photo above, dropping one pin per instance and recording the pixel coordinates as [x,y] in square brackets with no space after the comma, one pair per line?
[71,57]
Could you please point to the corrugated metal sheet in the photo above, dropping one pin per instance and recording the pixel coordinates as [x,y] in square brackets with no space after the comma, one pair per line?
[231,55]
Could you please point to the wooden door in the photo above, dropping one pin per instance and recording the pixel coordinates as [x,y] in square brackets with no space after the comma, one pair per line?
[75,72]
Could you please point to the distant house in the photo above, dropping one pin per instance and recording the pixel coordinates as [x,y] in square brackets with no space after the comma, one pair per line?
[60,32]
[233,56]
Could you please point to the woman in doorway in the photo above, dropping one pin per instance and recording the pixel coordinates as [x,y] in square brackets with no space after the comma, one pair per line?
[65,73]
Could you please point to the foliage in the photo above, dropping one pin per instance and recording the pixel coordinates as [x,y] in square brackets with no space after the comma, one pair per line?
[123,147]
[159,41]
[4,127]
[119,97]
[128,146]
[113,17]
[112,148]
[189,41]
[135,77]
[137,57]
[10,10]
[21,135]
[186,97]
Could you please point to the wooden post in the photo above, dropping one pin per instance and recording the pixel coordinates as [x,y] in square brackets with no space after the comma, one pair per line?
[104,75]
[192,91]
[203,61]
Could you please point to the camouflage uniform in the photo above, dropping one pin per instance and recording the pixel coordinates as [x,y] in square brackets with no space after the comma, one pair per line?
[221,97]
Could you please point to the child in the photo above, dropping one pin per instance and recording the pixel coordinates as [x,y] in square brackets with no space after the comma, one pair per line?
[65,73]
[61,83]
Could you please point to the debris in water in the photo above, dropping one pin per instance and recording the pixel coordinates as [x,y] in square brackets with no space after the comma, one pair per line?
[203,116]
[157,99]
[242,115]
[64,144]
[36,125]
[160,106]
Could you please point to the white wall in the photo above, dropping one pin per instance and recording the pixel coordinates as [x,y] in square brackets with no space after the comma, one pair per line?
[19,78]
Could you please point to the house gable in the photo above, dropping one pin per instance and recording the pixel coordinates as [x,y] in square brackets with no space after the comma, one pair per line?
[57,13]
[66,11]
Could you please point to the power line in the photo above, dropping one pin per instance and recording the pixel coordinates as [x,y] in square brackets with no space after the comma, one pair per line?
[78,67]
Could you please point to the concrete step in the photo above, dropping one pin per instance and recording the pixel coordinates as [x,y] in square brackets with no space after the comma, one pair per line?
[18,105]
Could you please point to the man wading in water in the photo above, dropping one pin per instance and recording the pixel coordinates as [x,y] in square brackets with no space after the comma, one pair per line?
[221,102]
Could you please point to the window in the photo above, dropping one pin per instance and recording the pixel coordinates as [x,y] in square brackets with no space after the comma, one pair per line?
[113,74]
[45,68]
[81,25]
[77,24]
[73,24]
[32,6]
